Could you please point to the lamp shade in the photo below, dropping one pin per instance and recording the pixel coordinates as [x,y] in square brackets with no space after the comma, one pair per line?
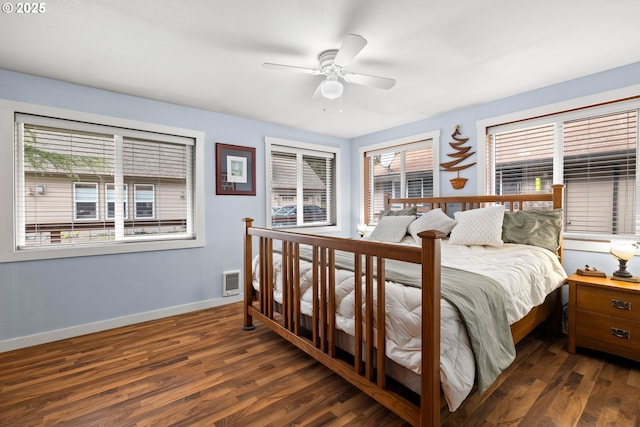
[623,249]
[331,89]
[362,229]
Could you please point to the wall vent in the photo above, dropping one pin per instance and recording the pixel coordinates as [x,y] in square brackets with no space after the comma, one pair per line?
[230,283]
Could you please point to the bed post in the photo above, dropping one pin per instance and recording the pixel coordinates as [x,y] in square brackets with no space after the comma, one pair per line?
[248,289]
[387,204]
[556,190]
[430,378]
[557,203]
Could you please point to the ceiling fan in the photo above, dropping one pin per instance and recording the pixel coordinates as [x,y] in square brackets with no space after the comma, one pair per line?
[333,65]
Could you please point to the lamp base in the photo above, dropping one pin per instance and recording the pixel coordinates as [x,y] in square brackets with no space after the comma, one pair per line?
[632,279]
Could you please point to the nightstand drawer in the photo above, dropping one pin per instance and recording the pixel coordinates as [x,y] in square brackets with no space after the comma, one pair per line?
[609,334]
[625,305]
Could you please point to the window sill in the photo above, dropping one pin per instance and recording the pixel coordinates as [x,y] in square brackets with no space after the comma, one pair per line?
[311,229]
[86,250]
[585,243]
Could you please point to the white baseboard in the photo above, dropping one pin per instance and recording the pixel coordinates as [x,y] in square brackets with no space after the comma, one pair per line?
[75,331]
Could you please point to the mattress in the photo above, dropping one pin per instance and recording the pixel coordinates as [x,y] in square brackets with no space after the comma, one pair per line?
[526,273]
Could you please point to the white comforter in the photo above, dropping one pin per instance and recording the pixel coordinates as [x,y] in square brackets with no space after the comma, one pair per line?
[526,273]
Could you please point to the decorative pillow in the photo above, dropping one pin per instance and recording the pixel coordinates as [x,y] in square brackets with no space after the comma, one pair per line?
[435,220]
[478,227]
[533,227]
[391,228]
[411,211]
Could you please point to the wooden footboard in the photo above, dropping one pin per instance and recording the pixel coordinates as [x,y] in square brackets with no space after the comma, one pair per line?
[366,369]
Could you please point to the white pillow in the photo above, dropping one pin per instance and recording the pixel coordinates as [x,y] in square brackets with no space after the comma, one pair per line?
[478,227]
[391,228]
[435,220]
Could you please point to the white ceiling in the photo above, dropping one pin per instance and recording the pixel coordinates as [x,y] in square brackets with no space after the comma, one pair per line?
[444,54]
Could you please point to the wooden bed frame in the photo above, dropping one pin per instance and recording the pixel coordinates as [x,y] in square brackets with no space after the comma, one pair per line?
[318,338]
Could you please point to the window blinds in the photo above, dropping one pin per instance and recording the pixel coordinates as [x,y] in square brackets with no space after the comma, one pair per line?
[79,183]
[401,171]
[592,151]
[522,160]
[302,187]
[600,173]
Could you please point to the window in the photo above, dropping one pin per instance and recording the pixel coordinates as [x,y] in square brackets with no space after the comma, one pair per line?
[591,150]
[144,197]
[301,184]
[85,200]
[72,177]
[403,169]
[110,199]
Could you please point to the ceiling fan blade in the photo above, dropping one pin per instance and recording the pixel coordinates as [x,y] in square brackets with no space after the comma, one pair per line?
[312,71]
[351,46]
[366,80]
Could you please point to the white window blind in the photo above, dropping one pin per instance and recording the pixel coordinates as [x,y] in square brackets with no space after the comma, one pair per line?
[401,171]
[72,180]
[591,150]
[302,189]
[600,173]
[522,160]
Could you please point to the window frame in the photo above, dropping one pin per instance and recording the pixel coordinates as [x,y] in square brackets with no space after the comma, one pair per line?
[593,105]
[96,209]
[136,201]
[8,229]
[434,136]
[301,147]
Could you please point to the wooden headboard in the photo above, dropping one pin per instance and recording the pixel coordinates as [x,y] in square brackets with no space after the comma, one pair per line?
[512,202]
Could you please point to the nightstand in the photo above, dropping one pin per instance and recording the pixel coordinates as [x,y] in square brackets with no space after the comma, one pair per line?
[604,315]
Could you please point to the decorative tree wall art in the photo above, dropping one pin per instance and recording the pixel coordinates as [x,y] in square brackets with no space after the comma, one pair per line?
[461,154]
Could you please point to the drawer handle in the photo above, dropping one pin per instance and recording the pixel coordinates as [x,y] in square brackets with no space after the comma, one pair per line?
[620,333]
[622,305]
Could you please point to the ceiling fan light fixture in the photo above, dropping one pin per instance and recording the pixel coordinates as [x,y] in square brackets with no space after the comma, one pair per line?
[331,89]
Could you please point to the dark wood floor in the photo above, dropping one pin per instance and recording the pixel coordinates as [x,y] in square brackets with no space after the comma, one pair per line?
[202,369]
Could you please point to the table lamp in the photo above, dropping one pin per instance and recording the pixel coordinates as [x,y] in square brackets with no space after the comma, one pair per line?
[623,251]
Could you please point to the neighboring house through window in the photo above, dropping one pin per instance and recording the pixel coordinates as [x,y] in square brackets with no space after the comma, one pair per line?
[72,181]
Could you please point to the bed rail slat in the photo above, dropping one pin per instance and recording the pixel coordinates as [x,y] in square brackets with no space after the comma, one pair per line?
[315,310]
[269,250]
[323,300]
[381,324]
[296,289]
[368,318]
[357,262]
[286,283]
[331,342]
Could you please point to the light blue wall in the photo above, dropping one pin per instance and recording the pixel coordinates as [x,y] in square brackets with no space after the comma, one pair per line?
[609,80]
[41,296]
[38,297]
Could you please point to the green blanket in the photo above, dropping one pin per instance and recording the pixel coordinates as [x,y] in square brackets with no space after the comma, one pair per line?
[480,301]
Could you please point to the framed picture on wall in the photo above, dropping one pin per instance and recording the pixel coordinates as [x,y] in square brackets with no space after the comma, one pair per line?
[235,170]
